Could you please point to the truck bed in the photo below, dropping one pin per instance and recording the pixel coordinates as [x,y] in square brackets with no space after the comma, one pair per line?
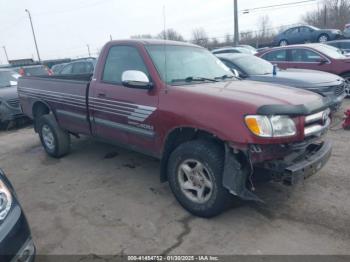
[66,95]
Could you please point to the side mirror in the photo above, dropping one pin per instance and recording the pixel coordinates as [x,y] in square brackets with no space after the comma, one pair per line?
[136,79]
[322,61]
[235,72]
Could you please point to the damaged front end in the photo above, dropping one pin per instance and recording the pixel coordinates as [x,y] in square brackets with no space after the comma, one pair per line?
[286,162]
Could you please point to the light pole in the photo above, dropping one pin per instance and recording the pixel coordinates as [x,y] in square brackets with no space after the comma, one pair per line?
[89,50]
[236,30]
[36,44]
[6,54]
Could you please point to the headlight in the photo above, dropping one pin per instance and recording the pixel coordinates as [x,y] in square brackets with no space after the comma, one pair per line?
[5,201]
[271,126]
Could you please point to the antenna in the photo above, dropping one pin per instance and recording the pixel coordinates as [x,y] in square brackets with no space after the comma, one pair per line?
[165,53]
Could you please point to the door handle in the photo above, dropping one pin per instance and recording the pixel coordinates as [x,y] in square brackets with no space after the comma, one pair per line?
[101,95]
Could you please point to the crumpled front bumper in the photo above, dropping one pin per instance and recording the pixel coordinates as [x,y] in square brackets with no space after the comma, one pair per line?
[289,170]
[305,166]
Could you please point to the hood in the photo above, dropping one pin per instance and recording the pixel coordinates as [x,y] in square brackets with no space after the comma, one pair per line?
[7,93]
[254,94]
[301,78]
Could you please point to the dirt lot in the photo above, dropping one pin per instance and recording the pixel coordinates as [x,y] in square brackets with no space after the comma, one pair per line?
[105,200]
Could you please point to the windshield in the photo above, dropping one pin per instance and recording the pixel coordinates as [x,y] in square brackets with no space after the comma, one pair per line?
[330,51]
[253,65]
[187,64]
[8,78]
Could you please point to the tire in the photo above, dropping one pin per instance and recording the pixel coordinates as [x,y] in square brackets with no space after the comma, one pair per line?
[208,158]
[323,38]
[54,139]
[283,42]
[347,88]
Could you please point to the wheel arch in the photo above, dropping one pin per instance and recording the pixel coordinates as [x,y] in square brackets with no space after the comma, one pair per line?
[39,109]
[178,136]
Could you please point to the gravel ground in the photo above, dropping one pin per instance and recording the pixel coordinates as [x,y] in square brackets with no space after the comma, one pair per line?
[102,199]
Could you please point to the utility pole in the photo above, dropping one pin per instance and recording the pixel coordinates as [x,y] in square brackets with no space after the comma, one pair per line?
[7,57]
[89,50]
[236,30]
[325,16]
[36,44]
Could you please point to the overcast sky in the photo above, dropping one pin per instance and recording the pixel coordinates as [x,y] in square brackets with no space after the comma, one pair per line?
[65,27]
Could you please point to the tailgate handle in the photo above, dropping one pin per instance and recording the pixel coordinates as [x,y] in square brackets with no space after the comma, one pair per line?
[101,95]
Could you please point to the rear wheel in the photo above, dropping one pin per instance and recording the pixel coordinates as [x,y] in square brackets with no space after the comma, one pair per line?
[54,139]
[195,176]
[323,38]
[283,42]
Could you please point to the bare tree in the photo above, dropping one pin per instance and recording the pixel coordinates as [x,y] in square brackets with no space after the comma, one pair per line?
[144,36]
[329,14]
[170,34]
[200,37]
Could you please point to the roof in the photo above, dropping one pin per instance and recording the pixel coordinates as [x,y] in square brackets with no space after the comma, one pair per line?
[232,56]
[153,42]
[311,45]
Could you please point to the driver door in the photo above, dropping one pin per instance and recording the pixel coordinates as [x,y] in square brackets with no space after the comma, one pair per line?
[123,114]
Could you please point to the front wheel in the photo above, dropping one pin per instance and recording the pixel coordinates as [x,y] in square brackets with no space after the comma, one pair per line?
[323,38]
[195,176]
[347,86]
[55,141]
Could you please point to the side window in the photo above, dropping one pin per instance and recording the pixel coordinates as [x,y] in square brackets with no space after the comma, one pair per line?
[345,45]
[305,29]
[292,31]
[304,55]
[121,59]
[67,69]
[275,56]
[79,68]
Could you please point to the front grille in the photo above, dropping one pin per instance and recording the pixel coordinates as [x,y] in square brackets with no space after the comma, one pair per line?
[317,123]
[339,90]
[13,102]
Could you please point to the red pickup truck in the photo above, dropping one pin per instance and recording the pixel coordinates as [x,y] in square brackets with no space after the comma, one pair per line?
[177,102]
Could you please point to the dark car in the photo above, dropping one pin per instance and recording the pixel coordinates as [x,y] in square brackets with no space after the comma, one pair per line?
[79,67]
[16,243]
[306,34]
[34,70]
[310,56]
[343,45]
[55,69]
[9,103]
[257,69]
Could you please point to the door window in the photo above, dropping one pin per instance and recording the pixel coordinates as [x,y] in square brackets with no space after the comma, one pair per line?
[278,55]
[119,60]
[304,55]
[67,69]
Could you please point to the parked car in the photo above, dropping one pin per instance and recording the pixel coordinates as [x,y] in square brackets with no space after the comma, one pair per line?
[209,129]
[55,69]
[306,34]
[257,69]
[16,243]
[35,70]
[310,56]
[83,66]
[249,47]
[343,45]
[347,30]
[9,102]
[230,50]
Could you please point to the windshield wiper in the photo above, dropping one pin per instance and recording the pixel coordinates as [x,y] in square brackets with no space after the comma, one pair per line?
[225,77]
[194,79]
